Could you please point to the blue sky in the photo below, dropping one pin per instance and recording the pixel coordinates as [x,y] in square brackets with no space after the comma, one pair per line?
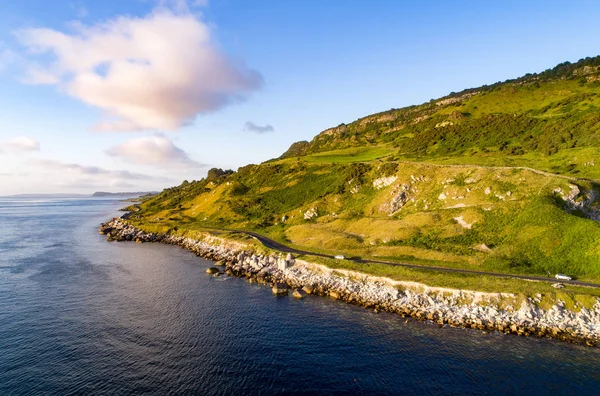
[90,103]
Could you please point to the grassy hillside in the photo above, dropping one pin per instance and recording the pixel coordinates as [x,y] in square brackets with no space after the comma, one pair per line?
[446,182]
[549,121]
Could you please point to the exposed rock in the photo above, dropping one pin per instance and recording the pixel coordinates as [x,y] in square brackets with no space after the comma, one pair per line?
[280,289]
[400,198]
[290,259]
[442,196]
[282,264]
[212,271]
[384,181]
[443,124]
[443,306]
[455,99]
[463,223]
[299,293]
[482,248]
[310,213]
[558,285]
[308,289]
[581,201]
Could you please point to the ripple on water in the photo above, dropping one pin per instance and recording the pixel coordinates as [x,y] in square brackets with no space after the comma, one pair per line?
[79,315]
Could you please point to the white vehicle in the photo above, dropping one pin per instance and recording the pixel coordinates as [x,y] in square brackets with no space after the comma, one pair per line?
[339,257]
[563,277]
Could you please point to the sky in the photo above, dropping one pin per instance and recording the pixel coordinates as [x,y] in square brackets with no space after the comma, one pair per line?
[139,95]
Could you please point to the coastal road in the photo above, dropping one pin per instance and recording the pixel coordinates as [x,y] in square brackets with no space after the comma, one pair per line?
[271,244]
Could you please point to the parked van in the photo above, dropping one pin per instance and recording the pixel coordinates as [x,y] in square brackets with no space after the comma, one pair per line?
[563,277]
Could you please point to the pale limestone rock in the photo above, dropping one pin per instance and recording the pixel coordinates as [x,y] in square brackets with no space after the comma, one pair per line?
[384,182]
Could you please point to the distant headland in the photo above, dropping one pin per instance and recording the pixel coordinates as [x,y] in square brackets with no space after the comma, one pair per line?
[98,194]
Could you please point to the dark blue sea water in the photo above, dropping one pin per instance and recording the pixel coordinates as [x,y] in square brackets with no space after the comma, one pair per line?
[79,315]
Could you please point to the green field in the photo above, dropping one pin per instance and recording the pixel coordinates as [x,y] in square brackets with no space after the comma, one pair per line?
[441,183]
[354,154]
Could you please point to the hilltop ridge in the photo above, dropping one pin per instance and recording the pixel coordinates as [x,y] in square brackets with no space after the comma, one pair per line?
[498,178]
[544,119]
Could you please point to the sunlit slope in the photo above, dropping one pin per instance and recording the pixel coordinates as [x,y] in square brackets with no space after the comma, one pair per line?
[550,121]
[510,220]
[498,178]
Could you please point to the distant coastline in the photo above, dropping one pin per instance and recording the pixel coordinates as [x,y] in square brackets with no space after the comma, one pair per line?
[98,194]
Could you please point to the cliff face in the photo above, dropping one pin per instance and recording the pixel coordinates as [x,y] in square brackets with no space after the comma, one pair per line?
[296,149]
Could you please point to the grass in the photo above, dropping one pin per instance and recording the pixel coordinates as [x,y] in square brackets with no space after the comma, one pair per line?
[527,230]
[578,159]
[574,297]
[446,201]
[347,155]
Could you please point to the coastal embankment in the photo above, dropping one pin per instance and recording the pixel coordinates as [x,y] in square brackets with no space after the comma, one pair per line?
[503,312]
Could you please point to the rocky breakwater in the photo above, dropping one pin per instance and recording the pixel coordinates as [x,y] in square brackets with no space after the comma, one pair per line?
[501,312]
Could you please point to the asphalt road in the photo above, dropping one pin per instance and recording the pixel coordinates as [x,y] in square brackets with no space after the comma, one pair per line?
[271,244]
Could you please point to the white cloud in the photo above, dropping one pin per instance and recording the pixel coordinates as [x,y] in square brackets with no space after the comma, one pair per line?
[20,144]
[252,127]
[155,150]
[152,73]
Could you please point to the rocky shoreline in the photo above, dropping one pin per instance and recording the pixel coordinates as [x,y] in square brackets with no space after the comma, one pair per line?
[445,307]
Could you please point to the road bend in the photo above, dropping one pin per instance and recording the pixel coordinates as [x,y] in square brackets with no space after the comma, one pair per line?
[271,244]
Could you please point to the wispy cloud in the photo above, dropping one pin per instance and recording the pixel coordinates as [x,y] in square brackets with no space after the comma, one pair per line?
[6,57]
[19,144]
[152,73]
[252,127]
[182,6]
[94,171]
[79,9]
[155,150]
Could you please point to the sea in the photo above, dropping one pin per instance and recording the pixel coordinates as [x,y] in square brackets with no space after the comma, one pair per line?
[80,315]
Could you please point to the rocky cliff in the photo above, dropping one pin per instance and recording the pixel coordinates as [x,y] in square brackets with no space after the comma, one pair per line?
[502,312]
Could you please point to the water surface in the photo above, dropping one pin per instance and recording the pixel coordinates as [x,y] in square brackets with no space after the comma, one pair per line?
[81,315]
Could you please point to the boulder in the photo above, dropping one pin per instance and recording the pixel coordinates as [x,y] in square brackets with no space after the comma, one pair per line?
[290,259]
[310,213]
[212,271]
[482,248]
[280,289]
[282,264]
[299,293]
[308,289]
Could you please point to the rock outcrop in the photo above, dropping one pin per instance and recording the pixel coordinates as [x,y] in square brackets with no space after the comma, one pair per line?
[451,307]
[583,201]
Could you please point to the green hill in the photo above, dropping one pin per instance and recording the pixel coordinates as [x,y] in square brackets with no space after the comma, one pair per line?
[499,178]
[549,120]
